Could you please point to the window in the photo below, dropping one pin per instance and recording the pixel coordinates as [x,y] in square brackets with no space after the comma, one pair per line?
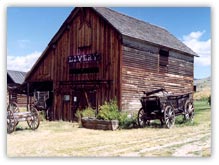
[163,61]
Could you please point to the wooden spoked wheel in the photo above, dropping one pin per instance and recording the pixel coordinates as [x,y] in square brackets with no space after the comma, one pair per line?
[11,123]
[169,116]
[34,120]
[141,118]
[188,110]
[13,107]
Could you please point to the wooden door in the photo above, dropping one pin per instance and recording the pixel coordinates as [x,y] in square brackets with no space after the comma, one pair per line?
[83,98]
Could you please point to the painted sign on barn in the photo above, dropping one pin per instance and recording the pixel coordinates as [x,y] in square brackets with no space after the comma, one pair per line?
[84,58]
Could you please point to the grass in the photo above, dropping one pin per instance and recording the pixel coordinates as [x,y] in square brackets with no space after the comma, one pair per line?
[58,139]
[202,113]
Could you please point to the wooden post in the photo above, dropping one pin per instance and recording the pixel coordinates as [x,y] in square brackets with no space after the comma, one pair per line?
[28,94]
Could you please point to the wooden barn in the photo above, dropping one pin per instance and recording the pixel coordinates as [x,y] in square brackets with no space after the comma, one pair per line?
[99,54]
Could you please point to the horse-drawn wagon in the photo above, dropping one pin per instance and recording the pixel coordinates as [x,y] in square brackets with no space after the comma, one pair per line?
[14,116]
[159,104]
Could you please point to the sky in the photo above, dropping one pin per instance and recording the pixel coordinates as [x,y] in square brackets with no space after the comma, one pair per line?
[30,29]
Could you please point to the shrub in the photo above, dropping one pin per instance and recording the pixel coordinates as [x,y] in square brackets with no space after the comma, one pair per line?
[127,121]
[87,112]
[109,111]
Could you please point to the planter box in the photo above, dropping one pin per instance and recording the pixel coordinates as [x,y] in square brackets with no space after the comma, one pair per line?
[93,123]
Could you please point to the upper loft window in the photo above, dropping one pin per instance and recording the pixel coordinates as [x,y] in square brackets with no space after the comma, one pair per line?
[163,61]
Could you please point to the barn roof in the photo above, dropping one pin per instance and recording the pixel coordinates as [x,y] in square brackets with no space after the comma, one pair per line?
[17,77]
[127,26]
[138,29]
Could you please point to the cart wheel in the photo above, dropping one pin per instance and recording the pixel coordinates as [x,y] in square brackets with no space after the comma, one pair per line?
[13,107]
[11,123]
[34,121]
[188,110]
[141,121]
[169,116]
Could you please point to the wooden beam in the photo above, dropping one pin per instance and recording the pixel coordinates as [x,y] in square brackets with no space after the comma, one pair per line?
[28,94]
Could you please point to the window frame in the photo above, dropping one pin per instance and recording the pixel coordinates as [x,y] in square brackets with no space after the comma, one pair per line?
[163,60]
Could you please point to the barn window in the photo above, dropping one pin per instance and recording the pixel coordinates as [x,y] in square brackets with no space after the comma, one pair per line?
[163,61]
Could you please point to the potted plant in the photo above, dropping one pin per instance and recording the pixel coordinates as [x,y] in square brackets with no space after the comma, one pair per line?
[106,119]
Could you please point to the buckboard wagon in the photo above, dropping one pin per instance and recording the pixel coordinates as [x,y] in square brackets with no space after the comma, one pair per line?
[14,116]
[161,105]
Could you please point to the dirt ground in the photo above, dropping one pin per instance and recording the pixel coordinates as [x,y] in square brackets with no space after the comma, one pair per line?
[63,139]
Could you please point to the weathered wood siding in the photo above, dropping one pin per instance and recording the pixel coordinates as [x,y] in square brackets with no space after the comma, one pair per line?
[43,72]
[141,72]
[86,33]
[127,66]
[20,99]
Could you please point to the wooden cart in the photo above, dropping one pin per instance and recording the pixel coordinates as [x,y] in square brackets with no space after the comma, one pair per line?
[14,116]
[159,104]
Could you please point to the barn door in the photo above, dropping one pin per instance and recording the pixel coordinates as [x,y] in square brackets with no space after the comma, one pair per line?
[82,99]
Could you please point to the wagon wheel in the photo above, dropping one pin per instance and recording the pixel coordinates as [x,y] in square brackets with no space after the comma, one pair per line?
[11,123]
[13,107]
[169,116]
[34,120]
[188,110]
[141,121]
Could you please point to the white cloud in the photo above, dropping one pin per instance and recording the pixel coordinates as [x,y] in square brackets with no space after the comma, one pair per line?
[22,63]
[202,48]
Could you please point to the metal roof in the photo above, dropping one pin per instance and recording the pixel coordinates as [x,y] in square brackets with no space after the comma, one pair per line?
[17,76]
[138,29]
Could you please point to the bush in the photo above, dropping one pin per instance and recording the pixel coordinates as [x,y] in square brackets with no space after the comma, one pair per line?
[127,121]
[109,111]
[88,112]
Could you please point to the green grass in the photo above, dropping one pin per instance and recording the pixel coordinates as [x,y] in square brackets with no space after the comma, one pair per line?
[201,106]
[202,113]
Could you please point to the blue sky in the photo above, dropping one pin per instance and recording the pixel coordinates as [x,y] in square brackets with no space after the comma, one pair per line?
[29,30]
